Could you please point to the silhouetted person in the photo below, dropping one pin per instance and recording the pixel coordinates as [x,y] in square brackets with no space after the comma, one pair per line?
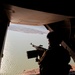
[56,60]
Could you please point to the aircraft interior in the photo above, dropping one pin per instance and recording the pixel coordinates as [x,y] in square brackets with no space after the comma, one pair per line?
[54,16]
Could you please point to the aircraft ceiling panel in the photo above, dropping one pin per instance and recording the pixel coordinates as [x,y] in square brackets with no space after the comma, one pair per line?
[33,17]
